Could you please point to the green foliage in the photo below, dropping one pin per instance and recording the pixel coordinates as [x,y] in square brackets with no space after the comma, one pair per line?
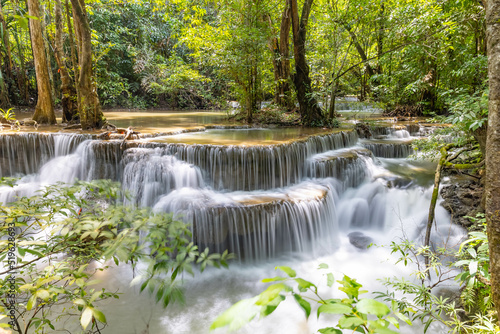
[51,243]
[418,302]
[363,315]
[469,112]
[8,114]
[475,262]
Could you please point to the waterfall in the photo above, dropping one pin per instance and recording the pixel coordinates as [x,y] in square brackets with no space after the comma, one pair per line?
[260,225]
[148,174]
[346,165]
[25,153]
[388,148]
[257,201]
[255,167]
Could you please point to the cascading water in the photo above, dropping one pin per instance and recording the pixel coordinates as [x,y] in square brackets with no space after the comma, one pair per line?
[297,203]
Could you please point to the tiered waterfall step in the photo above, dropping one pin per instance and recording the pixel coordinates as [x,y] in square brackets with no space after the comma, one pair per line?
[348,165]
[261,224]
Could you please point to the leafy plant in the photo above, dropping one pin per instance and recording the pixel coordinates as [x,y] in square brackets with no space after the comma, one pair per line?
[475,262]
[50,240]
[8,114]
[363,315]
[469,112]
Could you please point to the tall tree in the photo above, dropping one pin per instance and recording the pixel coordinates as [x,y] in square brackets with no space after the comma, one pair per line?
[309,109]
[6,64]
[279,47]
[69,98]
[89,108]
[493,146]
[44,111]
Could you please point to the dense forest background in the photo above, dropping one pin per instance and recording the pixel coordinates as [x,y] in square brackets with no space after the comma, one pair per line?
[422,56]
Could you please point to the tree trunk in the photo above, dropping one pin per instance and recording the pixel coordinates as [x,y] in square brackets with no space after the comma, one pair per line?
[91,116]
[72,45]
[69,98]
[22,79]
[44,111]
[333,96]
[359,48]
[4,94]
[48,55]
[281,62]
[492,185]
[309,109]
[7,68]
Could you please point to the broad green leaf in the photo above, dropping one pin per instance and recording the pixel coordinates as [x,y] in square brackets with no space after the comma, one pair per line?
[43,294]
[323,266]
[287,270]
[329,279]
[371,306]
[86,317]
[95,295]
[31,303]
[403,317]
[336,308]
[237,315]
[271,293]
[79,301]
[274,279]
[271,306]
[304,285]
[99,315]
[304,304]
[350,322]
[329,330]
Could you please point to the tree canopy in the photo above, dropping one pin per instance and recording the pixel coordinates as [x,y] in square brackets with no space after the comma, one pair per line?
[422,55]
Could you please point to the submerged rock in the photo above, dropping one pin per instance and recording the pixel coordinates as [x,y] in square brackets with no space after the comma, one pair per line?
[359,240]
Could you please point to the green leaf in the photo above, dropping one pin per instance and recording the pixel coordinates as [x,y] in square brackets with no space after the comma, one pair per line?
[287,270]
[43,294]
[371,306]
[271,293]
[271,306]
[80,301]
[329,330]
[323,266]
[403,317]
[99,315]
[350,322]
[31,303]
[336,308]
[86,317]
[237,315]
[274,279]
[304,285]
[304,304]
[329,279]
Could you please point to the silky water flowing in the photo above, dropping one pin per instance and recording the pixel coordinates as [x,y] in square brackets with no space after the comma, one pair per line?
[276,200]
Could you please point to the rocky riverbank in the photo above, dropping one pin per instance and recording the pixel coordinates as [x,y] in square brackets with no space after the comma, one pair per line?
[462,198]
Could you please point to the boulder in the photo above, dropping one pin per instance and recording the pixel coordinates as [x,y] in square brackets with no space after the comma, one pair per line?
[359,240]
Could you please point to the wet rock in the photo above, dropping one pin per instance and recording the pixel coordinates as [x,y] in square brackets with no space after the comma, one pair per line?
[462,198]
[359,240]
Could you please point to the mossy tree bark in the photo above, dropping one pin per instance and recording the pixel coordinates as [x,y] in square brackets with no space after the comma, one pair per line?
[89,108]
[69,97]
[309,109]
[44,111]
[492,186]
